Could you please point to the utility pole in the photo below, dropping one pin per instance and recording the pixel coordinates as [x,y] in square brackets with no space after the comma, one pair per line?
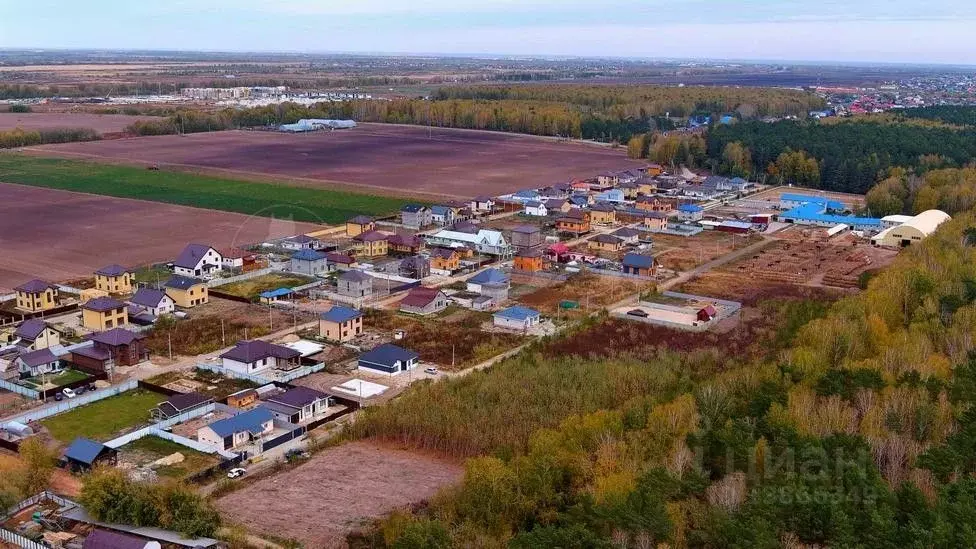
[169,340]
[223,336]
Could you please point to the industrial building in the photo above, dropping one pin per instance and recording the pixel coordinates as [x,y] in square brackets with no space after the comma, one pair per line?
[912,231]
[818,210]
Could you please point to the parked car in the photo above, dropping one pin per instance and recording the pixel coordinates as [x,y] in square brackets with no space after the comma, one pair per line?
[69,393]
[431,371]
[58,396]
[296,453]
[236,472]
[80,390]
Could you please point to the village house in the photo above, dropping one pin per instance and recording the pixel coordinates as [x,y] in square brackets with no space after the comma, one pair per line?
[654,170]
[340,324]
[558,206]
[484,241]
[441,215]
[580,200]
[239,430]
[340,262]
[302,242]
[628,235]
[238,260]
[605,243]
[180,403]
[114,279]
[242,399]
[526,237]
[424,301]
[607,179]
[35,334]
[655,221]
[388,360]
[415,266]
[445,259]
[308,262]
[405,243]
[580,186]
[416,216]
[640,265]
[654,204]
[647,186]
[197,260]
[517,318]
[37,295]
[297,405]
[603,214]
[612,195]
[482,205]
[373,244]
[257,356]
[577,222]
[529,261]
[154,302]
[535,208]
[359,225]
[690,212]
[110,349]
[104,313]
[557,253]
[186,292]
[526,195]
[355,284]
[487,276]
[35,363]
[630,189]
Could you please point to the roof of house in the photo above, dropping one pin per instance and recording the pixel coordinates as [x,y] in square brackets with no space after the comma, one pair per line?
[708,309]
[626,232]
[84,450]
[420,296]
[102,304]
[308,255]
[112,270]
[34,286]
[340,314]
[606,239]
[280,292]
[440,210]
[92,352]
[180,282]
[484,199]
[234,253]
[489,276]
[559,248]
[483,236]
[690,208]
[250,421]
[191,255]
[185,401]
[533,204]
[413,208]
[638,261]
[339,258]
[555,204]
[117,336]
[254,350]
[465,226]
[526,229]
[371,236]
[31,329]
[405,240]
[38,358]
[106,539]
[354,276]
[302,239]
[388,354]
[361,220]
[518,312]
[602,207]
[148,297]
[443,253]
[529,253]
[526,193]
[297,397]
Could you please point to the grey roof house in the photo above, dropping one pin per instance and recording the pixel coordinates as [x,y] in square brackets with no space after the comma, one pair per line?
[309,262]
[389,360]
[197,260]
[355,284]
[416,216]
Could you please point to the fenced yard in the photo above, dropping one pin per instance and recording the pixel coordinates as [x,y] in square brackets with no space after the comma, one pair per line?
[105,418]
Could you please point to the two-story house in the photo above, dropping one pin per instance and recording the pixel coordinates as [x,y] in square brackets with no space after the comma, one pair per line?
[187,292]
[114,279]
[197,260]
[37,295]
[340,324]
[104,313]
[373,244]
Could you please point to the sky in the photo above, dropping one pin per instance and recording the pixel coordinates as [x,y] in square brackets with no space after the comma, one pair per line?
[898,31]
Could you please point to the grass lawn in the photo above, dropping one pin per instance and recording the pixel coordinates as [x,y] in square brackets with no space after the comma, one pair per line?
[150,448]
[253,287]
[247,197]
[64,378]
[151,275]
[104,419]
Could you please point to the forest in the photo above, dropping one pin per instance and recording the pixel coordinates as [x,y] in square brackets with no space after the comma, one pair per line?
[851,156]
[849,423]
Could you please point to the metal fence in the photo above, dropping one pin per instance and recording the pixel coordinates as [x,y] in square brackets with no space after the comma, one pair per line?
[217,282]
[159,426]
[19,389]
[65,405]
[261,380]
[19,540]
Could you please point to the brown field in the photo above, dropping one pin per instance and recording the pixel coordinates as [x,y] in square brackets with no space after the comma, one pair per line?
[60,235]
[449,163]
[589,290]
[101,123]
[682,253]
[319,502]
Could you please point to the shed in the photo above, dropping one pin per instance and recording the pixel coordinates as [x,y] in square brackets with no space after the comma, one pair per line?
[706,313]
[83,454]
[107,539]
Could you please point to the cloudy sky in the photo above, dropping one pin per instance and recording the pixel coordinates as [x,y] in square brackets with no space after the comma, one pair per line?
[911,31]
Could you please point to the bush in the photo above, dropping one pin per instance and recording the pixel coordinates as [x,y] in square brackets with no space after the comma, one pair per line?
[19,108]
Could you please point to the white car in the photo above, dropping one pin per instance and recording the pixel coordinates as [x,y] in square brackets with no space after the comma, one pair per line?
[69,392]
[236,472]
[431,371]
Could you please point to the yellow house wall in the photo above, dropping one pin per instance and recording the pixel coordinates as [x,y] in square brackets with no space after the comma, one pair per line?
[186,298]
[36,302]
[114,284]
[99,321]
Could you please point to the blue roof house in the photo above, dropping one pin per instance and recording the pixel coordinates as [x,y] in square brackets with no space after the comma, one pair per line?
[309,262]
[612,195]
[517,318]
[690,212]
[235,431]
[488,276]
[388,360]
[83,454]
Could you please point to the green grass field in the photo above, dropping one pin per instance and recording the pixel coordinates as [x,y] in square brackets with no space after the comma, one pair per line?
[246,197]
[63,378]
[104,419]
[253,287]
[151,448]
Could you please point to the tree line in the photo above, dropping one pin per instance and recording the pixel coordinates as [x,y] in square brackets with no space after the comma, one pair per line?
[19,137]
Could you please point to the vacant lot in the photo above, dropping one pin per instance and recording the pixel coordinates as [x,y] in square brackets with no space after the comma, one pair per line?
[398,159]
[148,449]
[253,287]
[588,290]
[58,235]
[104,419]
[682,253]
[319,502]
[101,123]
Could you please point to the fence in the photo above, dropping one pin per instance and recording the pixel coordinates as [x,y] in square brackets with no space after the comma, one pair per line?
[19,389]
[74,384]
[63,406]
[229,297]
[160,425]
[217,282]
[282,439]
[260,380]
[19,540]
